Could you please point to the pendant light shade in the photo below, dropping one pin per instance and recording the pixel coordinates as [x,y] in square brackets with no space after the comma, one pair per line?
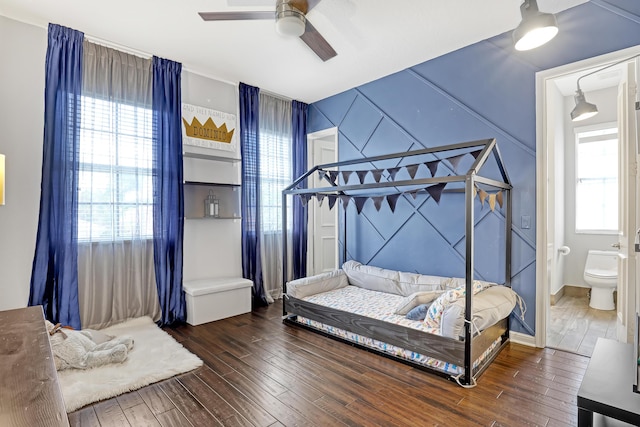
[583,109]
[535,29]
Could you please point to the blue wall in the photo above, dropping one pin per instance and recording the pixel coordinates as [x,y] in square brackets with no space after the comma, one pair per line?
[481,91]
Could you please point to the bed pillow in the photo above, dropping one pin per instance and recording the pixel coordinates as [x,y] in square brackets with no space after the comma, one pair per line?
[415,299]
[418,312]
[372,278]
[434,315]
[319,283]
[489,306]
[414,282]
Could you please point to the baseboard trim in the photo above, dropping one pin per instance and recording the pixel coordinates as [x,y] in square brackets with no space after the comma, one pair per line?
[524,339]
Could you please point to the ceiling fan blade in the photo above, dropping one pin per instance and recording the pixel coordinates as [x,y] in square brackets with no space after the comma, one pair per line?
[317,43]
[236,16]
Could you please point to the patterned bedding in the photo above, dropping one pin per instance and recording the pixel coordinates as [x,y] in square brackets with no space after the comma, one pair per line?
[380,306]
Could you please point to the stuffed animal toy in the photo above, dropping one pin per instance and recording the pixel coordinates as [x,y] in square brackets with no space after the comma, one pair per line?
[80,349]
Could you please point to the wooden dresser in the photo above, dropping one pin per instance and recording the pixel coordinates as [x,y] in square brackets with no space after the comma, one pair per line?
[29,391]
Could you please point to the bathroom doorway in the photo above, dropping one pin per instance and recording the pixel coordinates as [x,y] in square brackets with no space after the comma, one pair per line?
[564,318]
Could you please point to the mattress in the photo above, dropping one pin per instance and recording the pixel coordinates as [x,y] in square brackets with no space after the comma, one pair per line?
[380,306]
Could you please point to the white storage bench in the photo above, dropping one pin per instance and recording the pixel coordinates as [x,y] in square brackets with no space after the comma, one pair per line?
[217,298]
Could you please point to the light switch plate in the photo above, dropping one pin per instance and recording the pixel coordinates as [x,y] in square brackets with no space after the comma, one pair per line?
[525,221]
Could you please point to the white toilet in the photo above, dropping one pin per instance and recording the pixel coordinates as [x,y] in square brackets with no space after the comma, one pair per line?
[601,273]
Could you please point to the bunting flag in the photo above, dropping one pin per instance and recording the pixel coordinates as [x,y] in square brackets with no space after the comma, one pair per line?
[304,198]
[360,201]
[332,200]
[362,175]
[499,198]
[483,196]
[377,174]
[333,175]
[320,198]
[435,191]
[433,167]
[377,202]
[392,199]
[346,175]
[475,154]
[322,175]
[393,172]
[345,200]
[412,169]
[455,160]
[414,193]
[492,202]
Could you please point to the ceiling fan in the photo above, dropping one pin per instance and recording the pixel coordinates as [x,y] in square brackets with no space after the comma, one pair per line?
[290,18]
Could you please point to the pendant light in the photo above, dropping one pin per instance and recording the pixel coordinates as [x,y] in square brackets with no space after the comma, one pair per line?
[583,109]
[535,29]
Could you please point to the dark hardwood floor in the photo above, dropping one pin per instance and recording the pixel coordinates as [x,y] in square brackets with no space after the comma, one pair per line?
[260,372]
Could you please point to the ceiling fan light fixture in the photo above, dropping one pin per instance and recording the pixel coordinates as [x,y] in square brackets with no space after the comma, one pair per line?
[535,29]
[583,109]
[289,20]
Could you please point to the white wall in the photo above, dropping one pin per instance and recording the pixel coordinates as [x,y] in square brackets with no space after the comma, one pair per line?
[22,49]
[580,244]
[209,251]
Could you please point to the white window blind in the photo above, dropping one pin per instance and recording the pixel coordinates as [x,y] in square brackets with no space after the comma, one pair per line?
[115,194]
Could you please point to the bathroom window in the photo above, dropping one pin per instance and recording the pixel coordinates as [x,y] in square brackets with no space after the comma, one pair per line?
[597,179]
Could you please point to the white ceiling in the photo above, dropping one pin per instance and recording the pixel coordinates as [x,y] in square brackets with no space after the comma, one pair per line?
[373,38]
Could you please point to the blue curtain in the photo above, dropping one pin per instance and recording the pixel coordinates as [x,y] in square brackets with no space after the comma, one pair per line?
[168,196]
[249,131]
[299,156]
[54,275]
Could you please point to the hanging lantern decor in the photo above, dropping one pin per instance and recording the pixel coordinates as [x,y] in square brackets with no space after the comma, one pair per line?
[211,206]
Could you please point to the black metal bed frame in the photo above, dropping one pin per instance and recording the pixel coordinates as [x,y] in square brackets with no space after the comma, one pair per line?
[442,348]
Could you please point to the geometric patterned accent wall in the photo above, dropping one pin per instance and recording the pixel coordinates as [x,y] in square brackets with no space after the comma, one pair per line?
[486,90]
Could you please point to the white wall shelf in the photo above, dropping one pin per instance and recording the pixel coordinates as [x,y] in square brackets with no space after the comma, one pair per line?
[196,192]
[209,154]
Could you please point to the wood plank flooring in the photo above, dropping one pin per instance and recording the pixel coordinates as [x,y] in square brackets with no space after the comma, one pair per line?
[575,327]
[259,372]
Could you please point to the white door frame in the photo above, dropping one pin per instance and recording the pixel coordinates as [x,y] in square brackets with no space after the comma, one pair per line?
[544,143]
[311,138]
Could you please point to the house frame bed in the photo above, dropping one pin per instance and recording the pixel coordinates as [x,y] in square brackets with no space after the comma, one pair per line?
[459,352]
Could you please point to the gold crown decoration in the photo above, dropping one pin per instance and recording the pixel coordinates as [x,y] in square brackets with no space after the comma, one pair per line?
[208,131]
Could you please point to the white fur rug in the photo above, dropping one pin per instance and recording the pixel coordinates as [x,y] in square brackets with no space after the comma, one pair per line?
[155,356]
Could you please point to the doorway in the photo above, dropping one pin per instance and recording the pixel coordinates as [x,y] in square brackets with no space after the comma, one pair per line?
[560,242]
[322,230]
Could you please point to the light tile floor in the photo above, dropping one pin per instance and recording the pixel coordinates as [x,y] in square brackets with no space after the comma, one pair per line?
[575,327]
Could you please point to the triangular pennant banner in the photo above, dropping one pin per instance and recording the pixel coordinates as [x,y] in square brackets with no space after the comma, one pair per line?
[499,198]
[377,174]
[320,198]
[435,191]
[433,166]
[361,175]
[414,193]
[304,198]
[492,202]
[346,175]
[412,169]
[377,201]
[345,200]
[360,201]
[455,160]
[483,195]
[322,175]
[392,199]
[333,175]
[475,191]
[393,172]
[332,200]
[475,154]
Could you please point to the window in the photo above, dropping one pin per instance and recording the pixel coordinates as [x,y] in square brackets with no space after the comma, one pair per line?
[275,175]
[597,179]
[115,196]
